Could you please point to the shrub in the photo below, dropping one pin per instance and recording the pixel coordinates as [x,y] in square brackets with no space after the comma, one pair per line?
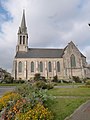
[40,85]
[88,82]
[24,90]
[55,79]
[42,78]
[43,85]
[37,77]
[18,81]
[33,94]
[76,79]
[49,86]
[8,80]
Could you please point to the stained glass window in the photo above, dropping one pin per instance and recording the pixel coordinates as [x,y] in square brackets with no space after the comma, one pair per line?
[32,66]
[20,66]
[73,61]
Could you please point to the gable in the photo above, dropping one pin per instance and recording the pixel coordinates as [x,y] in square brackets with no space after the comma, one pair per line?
[72,49]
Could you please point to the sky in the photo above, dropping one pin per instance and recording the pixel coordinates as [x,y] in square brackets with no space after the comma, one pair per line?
[50,24]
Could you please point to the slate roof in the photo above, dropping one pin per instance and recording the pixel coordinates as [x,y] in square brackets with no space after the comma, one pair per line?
[23,23]
[40,53]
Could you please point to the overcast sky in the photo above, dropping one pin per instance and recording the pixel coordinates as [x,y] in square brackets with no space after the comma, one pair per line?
[50,23]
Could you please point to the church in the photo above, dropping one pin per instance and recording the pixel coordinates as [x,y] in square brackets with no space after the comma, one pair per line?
[64,63]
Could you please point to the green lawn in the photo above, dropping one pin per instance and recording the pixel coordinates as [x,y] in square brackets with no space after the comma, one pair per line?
[70,92]
[10,84]
[63,107]
[66,84]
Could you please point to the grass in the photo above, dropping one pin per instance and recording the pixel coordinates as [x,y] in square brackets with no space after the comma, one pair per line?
[70,92]
[67,84]
[63,107]
[10,84]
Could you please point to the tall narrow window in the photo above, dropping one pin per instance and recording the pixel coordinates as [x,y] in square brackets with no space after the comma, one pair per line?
[23,39]
[73,61]
[41,67]
[20,67]
[32,66]
[20,39]
[58,66]
[50,67]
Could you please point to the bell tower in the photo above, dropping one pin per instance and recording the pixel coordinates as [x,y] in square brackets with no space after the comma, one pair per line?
[22,44]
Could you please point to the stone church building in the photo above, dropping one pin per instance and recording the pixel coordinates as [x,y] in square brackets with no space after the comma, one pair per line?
[64,63]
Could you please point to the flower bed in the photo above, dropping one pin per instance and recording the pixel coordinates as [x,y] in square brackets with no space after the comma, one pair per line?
[29,105]
[10,96]
[39,112]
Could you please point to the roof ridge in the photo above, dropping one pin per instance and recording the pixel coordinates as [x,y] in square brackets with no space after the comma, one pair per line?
[47,48]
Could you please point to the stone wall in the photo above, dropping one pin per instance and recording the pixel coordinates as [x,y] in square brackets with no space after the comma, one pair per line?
[27,68]
[78,70]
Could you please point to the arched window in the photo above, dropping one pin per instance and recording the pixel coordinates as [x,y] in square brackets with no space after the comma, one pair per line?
[20,39]
[32,66]
[73,61]
[58,66]
[20,66]
[41,67]
[23,39]
[50,67]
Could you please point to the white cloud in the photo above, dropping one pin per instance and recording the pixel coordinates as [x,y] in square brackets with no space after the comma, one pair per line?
[50,23]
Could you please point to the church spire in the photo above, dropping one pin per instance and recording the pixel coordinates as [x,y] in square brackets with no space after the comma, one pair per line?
[22,44]
[23,23]
[23,28]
